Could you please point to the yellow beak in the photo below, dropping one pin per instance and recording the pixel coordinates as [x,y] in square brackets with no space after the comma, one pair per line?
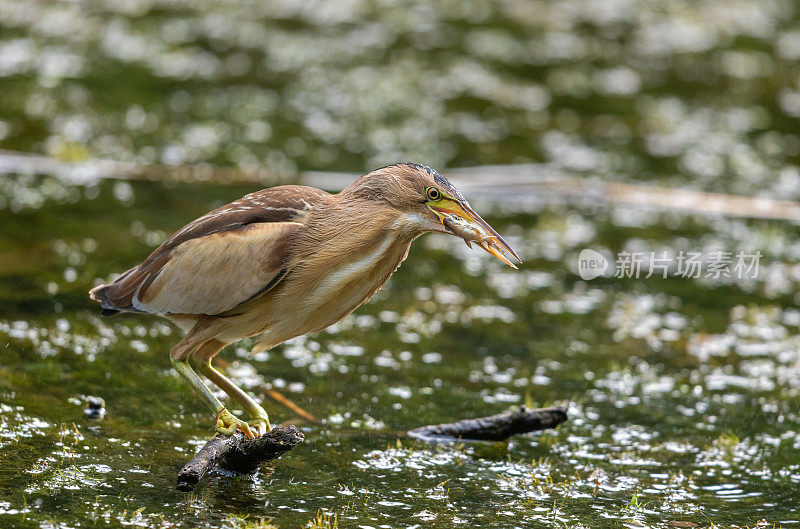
[460,219]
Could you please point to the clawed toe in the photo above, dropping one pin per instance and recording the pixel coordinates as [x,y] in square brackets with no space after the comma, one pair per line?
[227,423]
[260,424]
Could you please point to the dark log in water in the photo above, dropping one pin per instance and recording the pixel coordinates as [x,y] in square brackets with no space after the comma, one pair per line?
[238,454]
[495,428]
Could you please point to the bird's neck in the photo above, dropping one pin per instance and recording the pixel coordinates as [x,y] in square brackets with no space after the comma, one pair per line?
[369,217]
[343,257]
[347,230]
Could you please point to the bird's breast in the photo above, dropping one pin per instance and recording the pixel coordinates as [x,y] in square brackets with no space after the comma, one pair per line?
[353,277]
[351,283]
[321,292]
[338,262]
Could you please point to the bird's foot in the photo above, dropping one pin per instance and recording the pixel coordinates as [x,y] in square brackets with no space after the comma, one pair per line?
[227,423]
[260,425]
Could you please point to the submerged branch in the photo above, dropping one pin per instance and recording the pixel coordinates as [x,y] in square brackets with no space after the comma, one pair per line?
[496,427]
[238,454]
[516,184]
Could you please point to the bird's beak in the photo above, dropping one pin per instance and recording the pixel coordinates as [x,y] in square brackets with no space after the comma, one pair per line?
[460,219]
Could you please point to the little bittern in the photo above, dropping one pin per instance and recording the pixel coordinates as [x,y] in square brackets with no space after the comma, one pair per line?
[287,261]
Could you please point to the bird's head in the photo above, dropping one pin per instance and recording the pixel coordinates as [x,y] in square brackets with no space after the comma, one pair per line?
[425,201]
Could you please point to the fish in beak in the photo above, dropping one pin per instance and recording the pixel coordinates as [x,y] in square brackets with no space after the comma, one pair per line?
[461,220]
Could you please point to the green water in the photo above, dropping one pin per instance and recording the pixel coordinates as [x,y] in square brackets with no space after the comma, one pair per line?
[683,392]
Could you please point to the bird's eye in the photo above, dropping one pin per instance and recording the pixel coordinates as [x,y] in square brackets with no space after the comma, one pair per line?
[433,194]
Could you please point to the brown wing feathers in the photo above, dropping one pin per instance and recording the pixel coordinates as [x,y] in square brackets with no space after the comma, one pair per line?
[217,261]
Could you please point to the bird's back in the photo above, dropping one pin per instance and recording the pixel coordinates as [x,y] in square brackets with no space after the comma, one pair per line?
[219,260]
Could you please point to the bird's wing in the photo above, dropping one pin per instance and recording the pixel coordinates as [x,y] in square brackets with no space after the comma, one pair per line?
[214,273]
[220,260]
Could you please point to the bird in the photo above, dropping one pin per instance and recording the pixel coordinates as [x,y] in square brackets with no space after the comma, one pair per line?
[287,261]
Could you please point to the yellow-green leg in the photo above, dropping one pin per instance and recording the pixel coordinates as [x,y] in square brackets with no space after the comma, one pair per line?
[260,419]
[226,423]
[203,355]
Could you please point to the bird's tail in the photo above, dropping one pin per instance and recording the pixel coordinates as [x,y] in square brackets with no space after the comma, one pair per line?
[98,293]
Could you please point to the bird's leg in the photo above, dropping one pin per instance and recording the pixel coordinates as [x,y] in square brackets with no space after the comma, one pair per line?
[226,422]
[260,419]
[203,355]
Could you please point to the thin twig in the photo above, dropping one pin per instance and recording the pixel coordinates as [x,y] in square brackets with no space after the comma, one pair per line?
[224,364]
[289,404]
